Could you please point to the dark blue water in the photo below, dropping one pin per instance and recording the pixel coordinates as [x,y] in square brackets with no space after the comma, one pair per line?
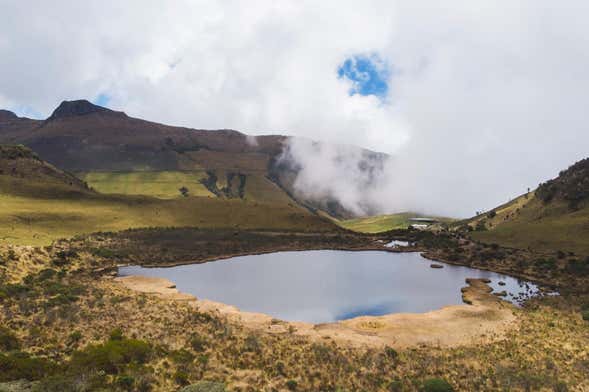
[326,285]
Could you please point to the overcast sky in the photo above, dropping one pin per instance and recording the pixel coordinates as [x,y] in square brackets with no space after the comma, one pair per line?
[477,100]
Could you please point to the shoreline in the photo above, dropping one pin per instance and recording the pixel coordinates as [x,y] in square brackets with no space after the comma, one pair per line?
[425,253]
[482,317]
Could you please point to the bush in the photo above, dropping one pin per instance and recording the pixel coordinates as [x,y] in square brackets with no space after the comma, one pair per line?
[116,334]
[8,340]
[198,343]
[391,353]
[436,385]
[111,356]
[292,385]
[578,267]
[182,357]
[395,386]
[204,386]
[19,365]
[125,382]
[181,377]
[585,314]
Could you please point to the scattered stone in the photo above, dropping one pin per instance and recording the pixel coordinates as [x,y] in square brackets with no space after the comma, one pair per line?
[501,294]
[436,266]
[501,283]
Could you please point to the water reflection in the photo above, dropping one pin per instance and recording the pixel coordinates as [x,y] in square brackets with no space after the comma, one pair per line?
[326,285]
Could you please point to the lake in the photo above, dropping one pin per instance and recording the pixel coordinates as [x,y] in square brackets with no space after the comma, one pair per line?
[326,285]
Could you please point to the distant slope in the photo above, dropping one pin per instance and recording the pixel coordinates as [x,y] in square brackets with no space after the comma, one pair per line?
[40,203]
[382,223]
[84,138]
[554,217]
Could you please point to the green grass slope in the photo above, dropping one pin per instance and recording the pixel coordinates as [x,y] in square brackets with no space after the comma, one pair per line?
[160,184]
[554,217]
[382,223]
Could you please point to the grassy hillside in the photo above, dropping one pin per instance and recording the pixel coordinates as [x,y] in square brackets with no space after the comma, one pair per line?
[377,224]
[554,217]
[166,185]
[38,213]
[160,184]
[543,228]
[381,223]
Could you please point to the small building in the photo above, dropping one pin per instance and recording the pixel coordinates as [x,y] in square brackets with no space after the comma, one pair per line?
[422,223]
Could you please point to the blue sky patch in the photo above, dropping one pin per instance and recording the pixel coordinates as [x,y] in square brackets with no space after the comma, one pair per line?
[369,75]
[102,100]
[26,111]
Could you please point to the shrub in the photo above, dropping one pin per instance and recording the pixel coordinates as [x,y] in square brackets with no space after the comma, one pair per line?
[198,343]
[111,356]
[578,267]
[436,385]
[395,386]
[19,365]
[125,382]
[292,385]
[585,314]
[182,357]
[75,337]
[181,377]
[391,353]
[8,340]
[116,334]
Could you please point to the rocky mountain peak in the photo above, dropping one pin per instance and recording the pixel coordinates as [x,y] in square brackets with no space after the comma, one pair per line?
[80,108]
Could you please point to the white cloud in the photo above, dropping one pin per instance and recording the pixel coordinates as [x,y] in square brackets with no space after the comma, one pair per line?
[487,99]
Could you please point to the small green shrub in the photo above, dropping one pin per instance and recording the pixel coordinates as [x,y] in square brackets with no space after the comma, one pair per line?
[585,314]
[125,382]
[292,385]
[116,334]
[391,353]
[19,365]
[198,343]
[112,356]
[395,386]
[182,357]
[436,385]
[8,340]
[181,377]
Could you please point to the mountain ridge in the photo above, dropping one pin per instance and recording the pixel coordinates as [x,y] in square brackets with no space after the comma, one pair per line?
[82,137]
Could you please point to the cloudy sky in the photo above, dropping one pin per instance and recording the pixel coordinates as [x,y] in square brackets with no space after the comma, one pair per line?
[476,100]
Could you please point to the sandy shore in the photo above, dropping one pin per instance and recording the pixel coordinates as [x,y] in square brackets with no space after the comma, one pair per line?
[483,317]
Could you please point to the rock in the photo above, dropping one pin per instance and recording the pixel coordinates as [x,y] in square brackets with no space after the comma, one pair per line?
[501,283]
[501,294]
[436,266]
[112,270]
[204,386]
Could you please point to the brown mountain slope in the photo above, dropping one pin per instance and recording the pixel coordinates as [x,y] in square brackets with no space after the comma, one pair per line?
[81,137]
[22,163]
